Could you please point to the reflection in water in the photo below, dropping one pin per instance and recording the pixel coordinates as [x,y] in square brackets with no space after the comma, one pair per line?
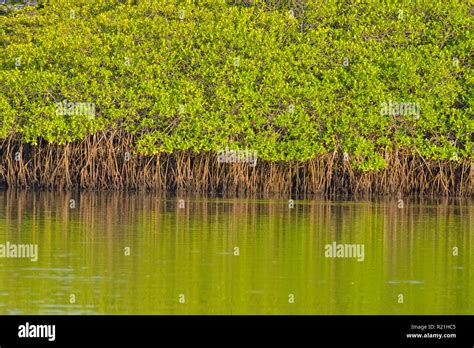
[127,253]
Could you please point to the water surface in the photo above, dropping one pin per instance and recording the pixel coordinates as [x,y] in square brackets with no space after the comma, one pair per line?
[138,253]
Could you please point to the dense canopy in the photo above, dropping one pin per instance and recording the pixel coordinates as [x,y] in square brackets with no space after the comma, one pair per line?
[291,80]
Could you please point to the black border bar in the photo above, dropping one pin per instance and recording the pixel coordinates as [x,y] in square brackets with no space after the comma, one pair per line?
[194,330]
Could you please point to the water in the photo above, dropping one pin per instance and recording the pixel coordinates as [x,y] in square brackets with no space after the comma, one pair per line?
[82,266]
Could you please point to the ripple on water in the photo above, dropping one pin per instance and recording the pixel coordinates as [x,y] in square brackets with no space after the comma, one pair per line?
[62,305]
[405,282]
[257,292]
[62,312]
[50,276]
[14,311]
[47,269]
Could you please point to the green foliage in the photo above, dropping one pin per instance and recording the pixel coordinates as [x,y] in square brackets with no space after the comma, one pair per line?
[237,66]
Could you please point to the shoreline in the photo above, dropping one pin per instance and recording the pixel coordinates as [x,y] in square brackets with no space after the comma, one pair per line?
[111,164]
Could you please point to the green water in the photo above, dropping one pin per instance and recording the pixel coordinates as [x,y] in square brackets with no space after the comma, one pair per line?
[191,251]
